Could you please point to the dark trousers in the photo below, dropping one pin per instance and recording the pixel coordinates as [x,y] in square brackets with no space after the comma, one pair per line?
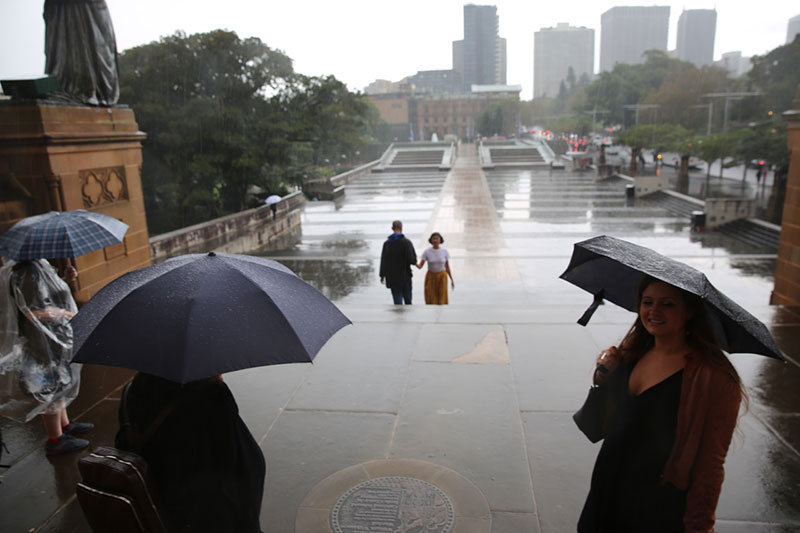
[402,293]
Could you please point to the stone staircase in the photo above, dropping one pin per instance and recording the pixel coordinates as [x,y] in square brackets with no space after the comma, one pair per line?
[417,157]
[673,203]
[516,156]
[759,235]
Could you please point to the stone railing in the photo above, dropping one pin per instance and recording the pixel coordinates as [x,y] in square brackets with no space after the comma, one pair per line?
[721,211]
[334,187]
[247,231]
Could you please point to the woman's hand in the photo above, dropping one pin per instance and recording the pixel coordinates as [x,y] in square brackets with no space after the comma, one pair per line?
[70,274]
[605,364]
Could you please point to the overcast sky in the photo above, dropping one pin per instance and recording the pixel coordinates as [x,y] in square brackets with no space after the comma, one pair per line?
[359,41]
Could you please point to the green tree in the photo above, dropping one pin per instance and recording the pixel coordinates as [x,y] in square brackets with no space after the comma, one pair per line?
[665,138]
[680,96]
[223,114]
[777,75]
[630,84]
[200,98]
[639,137]
[571,79]
[713,147]
[328,115]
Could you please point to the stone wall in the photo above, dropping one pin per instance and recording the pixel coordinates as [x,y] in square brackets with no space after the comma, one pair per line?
[252,230]
[649,184]
[721,211]
[786,290]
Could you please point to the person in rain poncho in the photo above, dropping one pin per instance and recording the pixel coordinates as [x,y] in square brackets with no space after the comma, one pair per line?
[36,377]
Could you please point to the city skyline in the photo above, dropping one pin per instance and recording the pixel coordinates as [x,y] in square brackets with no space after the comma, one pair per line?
[340,39]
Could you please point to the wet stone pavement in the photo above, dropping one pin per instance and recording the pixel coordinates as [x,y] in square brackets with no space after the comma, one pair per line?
[474,398]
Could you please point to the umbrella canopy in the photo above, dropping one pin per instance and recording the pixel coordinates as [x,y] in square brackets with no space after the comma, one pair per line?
[272,199]
[61,234]
[612,269]
[198,315]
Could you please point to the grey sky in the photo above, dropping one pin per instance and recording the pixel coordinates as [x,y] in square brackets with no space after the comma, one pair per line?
[359,41]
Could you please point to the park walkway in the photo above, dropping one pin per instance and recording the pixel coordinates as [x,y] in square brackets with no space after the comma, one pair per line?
[475,397]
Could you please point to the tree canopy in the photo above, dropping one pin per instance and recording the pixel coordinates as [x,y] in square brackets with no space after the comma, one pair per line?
[223,114]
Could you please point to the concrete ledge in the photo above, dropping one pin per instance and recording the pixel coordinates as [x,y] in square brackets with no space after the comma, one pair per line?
[721,211]
[247,231]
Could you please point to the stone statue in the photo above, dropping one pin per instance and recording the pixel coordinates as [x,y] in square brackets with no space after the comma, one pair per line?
[81,50]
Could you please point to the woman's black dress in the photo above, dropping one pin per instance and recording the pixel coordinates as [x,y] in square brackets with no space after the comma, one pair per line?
[627,494]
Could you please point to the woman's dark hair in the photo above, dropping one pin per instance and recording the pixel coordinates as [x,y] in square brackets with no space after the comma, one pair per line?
[699,333]
[435,234]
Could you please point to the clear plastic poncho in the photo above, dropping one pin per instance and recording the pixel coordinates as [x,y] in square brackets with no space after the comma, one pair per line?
[35,341]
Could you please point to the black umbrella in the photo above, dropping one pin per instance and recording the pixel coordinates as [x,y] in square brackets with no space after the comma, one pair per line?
[612,269]
[197,316]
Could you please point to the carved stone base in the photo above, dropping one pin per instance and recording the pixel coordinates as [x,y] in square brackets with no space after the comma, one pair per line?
[79,157]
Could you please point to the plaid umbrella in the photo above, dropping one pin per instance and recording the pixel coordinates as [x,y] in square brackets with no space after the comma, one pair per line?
[60,234]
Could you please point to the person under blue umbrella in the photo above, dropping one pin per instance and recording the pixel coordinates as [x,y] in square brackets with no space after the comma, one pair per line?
[36,306]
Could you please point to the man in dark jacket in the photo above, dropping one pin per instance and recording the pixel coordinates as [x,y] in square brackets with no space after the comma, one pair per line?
[396,259]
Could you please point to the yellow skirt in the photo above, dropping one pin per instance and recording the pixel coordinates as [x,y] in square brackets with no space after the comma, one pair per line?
[436,288]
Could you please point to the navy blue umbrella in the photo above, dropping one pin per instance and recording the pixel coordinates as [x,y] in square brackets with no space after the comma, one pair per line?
[60,234]
[611,269]
[199,315]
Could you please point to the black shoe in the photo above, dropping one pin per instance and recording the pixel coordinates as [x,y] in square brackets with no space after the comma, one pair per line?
[65,444]
[78,428]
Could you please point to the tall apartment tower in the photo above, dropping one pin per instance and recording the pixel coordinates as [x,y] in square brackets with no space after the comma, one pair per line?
[793,28]
[557,49]
[626,32]
[480,57]
[696,31]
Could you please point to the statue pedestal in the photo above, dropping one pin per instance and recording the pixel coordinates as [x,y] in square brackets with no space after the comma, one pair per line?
[76,157]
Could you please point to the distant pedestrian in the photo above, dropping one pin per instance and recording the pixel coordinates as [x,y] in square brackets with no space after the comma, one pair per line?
[758,175]
[272,201]
[397,257]
[438,259]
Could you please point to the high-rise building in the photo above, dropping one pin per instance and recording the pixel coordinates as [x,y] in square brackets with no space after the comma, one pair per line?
[557,49]
[734,63]
[793,28]
[435,81]
[480,57]
[627,32]
[696,31]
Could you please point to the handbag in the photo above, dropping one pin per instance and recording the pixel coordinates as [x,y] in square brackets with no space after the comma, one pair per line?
[117,492]
[590,418]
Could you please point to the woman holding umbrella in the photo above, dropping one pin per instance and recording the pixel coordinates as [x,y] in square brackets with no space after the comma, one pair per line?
[669,400]
[36,307]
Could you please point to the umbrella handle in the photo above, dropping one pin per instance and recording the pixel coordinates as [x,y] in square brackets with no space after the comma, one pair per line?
[587,315]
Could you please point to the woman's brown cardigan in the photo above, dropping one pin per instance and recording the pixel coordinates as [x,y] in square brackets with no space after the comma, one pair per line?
[707,414]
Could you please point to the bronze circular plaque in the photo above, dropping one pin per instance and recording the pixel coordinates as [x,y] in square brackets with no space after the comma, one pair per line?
[395,503]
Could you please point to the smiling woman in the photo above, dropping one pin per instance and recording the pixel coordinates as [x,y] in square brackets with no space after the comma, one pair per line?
[661,464]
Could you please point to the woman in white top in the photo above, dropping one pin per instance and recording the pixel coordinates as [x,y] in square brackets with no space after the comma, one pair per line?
[438,271]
